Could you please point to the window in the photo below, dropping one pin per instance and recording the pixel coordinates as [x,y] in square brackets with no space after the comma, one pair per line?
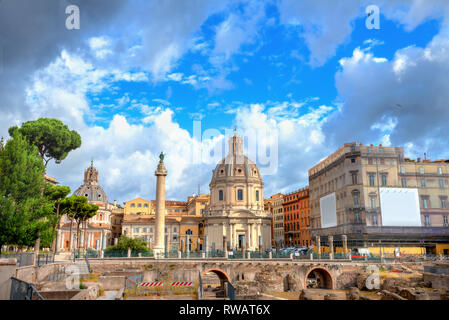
[239,194]
[356,199]
[382,161]
[440,171]
[144,230]
[174,229]
[445,223]
[357,217]
[421,170]
[151,229]
[374,220]
[257,195]
[220,195]
[404,182]
[425,203]
[136,230]
[423,182]
[139,205]
[370,161]
[384,180]
[352,160]
[165,229]
[133,205]
[426,221]
[373,202]
[371,180]
[145,205]
[443,203]
[441,183]
[354,178]
[402,169]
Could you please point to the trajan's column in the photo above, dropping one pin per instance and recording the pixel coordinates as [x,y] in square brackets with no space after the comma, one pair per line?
[159,244]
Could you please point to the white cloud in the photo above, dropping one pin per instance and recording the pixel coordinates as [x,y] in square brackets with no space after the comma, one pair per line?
[398,101]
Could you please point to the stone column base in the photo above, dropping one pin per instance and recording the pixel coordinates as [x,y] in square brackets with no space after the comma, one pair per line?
[158,253]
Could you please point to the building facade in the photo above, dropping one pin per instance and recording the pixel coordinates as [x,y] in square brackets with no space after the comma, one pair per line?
[277,210]
[97,232]
[235,218]
[184,226]
[356,174]
[297,218]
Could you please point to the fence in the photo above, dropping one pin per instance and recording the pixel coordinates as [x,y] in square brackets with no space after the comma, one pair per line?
[21,290]
[25,259]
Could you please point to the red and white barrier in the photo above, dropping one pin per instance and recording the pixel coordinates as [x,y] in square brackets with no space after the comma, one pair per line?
[151,284]
[181,284]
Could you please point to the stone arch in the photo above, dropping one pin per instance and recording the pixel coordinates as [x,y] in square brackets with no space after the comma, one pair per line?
[222,275]
[323,276]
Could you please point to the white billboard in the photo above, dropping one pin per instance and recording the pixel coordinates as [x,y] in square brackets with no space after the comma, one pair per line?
[328,208]
[400,207]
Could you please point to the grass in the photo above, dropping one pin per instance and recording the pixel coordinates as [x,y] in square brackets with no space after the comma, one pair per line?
[92,278]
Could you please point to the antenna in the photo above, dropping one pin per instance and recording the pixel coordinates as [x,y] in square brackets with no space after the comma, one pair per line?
[425,156]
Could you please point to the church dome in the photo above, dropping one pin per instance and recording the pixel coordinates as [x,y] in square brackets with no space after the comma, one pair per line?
[236,181]
[90,189]
[235,164]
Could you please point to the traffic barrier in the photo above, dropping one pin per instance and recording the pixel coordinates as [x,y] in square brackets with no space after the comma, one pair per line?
[151,284]
[181,284]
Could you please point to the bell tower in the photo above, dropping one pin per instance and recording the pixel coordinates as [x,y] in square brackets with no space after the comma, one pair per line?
[91,175]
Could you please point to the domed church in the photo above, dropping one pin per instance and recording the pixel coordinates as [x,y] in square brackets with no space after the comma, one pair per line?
[235,218]
[97,232]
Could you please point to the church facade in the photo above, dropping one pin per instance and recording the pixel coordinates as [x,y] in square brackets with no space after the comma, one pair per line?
[96,234]
[235,218]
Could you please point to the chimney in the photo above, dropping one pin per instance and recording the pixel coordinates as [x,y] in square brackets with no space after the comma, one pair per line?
[115,203]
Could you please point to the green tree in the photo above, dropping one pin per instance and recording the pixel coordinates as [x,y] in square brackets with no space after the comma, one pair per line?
[124,243]
[78,210]
[23,207]
[53,139]
[55,194]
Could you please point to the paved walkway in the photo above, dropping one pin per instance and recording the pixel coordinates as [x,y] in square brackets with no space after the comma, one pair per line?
[108,295]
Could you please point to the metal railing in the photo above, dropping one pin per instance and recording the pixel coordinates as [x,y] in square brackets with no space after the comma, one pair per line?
[21,290]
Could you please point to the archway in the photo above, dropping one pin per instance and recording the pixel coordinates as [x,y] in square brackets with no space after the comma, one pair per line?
[214,282]
[319,278]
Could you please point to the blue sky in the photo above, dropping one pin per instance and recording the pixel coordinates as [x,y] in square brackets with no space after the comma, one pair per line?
[136,75]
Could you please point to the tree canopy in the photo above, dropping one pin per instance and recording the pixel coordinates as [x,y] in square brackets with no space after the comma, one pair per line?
[78,209]
[124,243]
[23,207]
[53,139]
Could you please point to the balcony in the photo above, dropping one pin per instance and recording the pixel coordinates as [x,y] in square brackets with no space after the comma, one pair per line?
[419,233]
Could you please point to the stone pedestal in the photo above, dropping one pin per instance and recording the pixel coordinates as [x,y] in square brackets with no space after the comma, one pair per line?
[159,245]
[318,246]
[345,245]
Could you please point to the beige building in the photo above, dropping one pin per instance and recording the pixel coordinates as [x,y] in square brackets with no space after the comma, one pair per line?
[117,215]
[356,174]
[276,207]
[236,218]
[183,221]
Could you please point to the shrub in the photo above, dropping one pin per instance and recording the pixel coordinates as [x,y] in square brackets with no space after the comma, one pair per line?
[124,243]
